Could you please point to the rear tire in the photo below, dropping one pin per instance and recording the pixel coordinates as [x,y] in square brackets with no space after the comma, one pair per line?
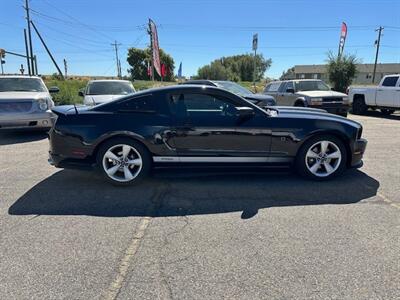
[123,161]
[299,104]
[321,158]
[359,107]
[387,112]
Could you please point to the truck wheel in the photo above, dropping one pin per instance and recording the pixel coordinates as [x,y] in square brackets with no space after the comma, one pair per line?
[359,107]
[387,112]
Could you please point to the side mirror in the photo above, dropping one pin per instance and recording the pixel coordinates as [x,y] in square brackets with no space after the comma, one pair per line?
[245,112]
[80,93]
[291,91]
[332,89]
[54,90]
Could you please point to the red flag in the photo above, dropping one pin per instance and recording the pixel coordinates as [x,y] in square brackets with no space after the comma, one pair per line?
[163,70]
[156,50]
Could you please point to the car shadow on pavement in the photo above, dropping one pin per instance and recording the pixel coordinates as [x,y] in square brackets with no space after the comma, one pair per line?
[17,137]
[181,193]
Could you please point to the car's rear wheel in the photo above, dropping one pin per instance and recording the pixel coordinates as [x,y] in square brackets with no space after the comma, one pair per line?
[123,161]
[387,112]
[322,157]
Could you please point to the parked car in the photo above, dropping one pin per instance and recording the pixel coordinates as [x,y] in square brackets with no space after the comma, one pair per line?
[258,99]
[25,102]
[100,91]
[195,125]
[385,96]
[308,93]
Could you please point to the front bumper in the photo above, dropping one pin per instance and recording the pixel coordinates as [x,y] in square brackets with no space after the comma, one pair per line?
[31,120]
[337,109]
[359,148]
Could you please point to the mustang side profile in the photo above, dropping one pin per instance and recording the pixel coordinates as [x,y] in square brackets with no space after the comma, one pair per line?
[192,124]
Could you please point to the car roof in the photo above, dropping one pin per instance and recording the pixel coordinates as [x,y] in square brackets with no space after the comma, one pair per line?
[20,76]
[199,81]
[108,80]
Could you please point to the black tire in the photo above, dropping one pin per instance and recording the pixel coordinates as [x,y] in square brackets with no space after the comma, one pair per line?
[387,112]
[343,114]
[301,160]
[359,107]
[299,104]
[137,151]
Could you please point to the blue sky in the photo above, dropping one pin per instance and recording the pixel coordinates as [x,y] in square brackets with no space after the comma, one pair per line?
[196,32]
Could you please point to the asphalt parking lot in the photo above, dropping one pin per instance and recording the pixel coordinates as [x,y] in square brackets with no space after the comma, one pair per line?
[189,235]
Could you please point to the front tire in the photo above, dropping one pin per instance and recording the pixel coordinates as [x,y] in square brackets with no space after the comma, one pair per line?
[321,158]
[359,107]
[123,161]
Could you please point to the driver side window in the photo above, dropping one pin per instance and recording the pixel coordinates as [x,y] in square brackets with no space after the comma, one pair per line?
[203,109]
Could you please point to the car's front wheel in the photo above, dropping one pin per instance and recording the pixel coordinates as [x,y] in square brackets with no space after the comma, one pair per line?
[123,161]
[321,158]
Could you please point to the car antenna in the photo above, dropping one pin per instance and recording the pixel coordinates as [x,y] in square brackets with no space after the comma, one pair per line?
[76,110]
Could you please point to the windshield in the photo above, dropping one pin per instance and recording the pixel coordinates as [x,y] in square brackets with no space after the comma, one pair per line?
[234,88]
[21,85]
[110,88]
[311,85]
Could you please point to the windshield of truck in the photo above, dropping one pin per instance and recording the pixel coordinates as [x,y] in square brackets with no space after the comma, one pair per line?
[311,85]
[21,85]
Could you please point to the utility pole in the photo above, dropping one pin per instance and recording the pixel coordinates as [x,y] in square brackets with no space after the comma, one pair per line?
[28,20]
[28,63]
[115,44]
[47,49]
[255,46]
[377,43]
[65,68]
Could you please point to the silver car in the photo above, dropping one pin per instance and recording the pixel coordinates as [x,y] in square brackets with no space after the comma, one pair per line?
[308,93]
[25,103]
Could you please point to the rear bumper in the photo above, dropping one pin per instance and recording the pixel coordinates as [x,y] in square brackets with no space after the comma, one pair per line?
[359,148]
[35,120]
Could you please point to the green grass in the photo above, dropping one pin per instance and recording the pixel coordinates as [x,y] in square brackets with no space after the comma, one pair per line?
[68,91]
[69,88]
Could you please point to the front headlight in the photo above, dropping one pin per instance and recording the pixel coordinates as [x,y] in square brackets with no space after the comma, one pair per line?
[316,101]
[345,99]
[43,104]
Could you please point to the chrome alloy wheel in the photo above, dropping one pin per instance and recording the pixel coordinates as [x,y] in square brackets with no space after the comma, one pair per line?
[122,163]
[323,158]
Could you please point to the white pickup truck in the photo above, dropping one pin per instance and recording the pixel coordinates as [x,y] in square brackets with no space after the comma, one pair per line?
[386,96]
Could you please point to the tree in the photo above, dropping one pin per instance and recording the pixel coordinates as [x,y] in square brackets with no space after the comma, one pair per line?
[288,74]
[139,58]
[235,68]
[341,71]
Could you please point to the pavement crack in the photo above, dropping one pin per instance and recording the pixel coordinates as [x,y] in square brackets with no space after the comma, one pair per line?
[133,247]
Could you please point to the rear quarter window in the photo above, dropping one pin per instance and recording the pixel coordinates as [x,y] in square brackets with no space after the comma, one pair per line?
[144,104]
[272,87]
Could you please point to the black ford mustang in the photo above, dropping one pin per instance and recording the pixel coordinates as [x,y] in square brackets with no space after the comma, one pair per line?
[191,124]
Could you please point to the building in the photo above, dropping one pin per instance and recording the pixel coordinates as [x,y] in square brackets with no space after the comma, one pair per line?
[364,72]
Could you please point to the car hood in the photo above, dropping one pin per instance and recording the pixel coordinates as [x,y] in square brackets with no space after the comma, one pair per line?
[101,98]
[23,96]
[321,94]
[260,98]
[312,113]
